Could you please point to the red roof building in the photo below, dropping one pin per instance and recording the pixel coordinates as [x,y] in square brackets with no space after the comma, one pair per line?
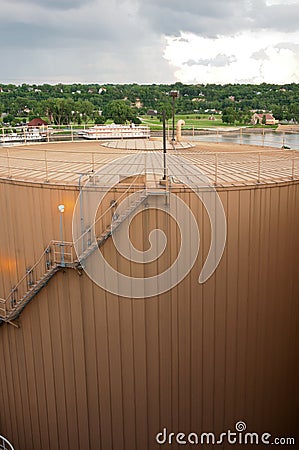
[258,118]
[36,122]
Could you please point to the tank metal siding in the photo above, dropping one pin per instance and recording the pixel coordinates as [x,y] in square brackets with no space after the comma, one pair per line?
[89,370]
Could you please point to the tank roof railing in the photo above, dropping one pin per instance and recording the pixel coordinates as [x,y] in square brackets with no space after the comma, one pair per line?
[221,168]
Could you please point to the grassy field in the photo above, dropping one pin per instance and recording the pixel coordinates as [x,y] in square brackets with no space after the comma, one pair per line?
[191,120]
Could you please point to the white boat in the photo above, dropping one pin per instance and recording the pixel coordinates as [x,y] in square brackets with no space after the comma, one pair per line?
[114,131]
[33,135]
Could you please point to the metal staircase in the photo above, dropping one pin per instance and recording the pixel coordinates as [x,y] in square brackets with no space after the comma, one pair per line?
[116,222]
[58,255]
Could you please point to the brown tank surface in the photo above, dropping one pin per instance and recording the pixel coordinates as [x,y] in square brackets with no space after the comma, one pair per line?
[85,368]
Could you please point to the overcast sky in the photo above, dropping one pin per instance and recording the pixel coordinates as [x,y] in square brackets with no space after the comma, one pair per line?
[149,41]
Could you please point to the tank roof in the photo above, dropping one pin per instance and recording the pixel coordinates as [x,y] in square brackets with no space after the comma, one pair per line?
[223,164]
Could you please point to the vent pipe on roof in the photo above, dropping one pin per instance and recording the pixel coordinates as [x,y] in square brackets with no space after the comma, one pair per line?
[179,130]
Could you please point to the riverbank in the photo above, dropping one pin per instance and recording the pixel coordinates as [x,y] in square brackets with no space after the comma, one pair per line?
[288,128]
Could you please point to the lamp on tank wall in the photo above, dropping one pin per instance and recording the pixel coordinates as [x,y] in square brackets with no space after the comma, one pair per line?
[61,209]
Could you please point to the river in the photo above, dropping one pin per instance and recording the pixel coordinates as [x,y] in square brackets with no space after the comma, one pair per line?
[269,139]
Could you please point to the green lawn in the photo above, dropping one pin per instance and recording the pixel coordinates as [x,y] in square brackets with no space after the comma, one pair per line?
[190,120]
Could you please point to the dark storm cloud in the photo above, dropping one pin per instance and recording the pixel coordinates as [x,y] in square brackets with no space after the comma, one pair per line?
[94,25]
[135,20]
[209,18]
[95,21]
[212,8]
[53,35]
[277,17]
[217,17]
[96,41]
[54,4]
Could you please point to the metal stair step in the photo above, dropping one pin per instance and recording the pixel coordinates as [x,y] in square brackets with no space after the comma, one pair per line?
[19,305]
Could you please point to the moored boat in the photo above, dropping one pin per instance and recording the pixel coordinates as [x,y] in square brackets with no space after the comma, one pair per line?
[114,131]
[33,135]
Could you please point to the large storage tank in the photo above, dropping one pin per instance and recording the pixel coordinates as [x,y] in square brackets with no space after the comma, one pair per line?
[82,368]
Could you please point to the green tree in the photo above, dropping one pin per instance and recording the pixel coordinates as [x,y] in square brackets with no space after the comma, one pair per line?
[136,120]
[277,112]
[62,110]
[8,119]
[167,107]
[244,117]
[294,112]
[100,120]
[119,111]
[85,109]
[229,115]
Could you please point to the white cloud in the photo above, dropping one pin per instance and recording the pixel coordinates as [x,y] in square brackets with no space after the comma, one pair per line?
[251,57]
[220,60]
[260,55]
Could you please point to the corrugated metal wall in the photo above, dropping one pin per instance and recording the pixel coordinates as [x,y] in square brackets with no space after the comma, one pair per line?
[89,370]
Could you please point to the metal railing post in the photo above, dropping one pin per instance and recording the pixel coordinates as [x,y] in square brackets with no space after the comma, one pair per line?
[8,163]
[293,164]
[46,167]
[48,262]
[216,169]
[259,169]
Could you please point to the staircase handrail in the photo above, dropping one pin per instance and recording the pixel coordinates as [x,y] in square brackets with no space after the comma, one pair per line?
[32,268]
[110,208]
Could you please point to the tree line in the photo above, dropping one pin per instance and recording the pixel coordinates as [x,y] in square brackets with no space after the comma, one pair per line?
[82,103]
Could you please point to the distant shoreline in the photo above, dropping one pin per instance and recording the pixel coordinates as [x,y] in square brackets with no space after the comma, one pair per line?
[224,130]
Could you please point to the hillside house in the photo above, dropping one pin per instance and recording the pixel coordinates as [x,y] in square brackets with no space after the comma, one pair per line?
[258,119]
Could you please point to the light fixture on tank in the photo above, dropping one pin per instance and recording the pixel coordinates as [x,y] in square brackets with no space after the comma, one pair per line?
[61,209]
